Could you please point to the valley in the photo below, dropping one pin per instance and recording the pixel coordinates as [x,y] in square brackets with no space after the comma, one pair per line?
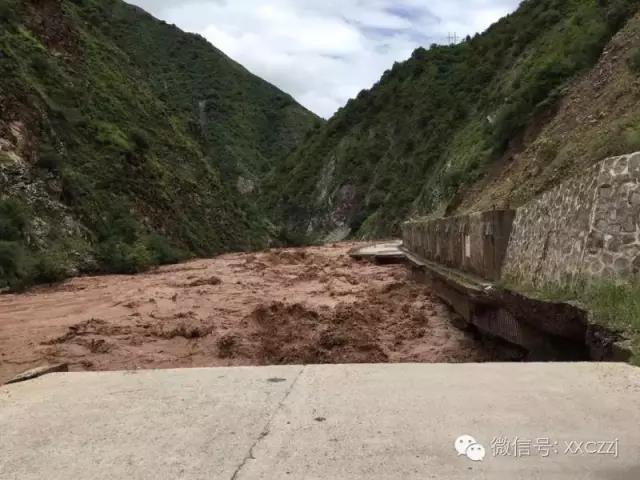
[189,281]
[127,144]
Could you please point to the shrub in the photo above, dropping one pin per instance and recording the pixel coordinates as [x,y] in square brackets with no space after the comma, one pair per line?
[376,199]
[110,134]
[75,187]
[291,238]
[118,223]
[162,252]
[49,269]
[118,257]
[13,219]
[140,141]
[548,150]
[631,140]
[41,66]
[49,159]
[634,61]
[509,120]
[617,12]
[409,146]
[8,12]
[14,265]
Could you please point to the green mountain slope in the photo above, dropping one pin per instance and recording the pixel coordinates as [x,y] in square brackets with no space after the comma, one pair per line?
[125,142]
[597,117]
[440,121]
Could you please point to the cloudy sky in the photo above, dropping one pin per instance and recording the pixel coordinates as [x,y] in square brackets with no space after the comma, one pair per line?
[324,52]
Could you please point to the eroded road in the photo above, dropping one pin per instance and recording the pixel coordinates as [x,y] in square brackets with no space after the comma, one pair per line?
[312,305]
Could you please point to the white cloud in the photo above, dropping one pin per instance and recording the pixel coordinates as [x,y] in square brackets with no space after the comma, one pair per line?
[324,52]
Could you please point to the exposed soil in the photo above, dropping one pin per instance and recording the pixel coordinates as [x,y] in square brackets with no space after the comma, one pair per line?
[48,20]
[313,305]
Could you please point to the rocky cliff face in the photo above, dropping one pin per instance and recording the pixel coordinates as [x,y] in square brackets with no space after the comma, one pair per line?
[125,142]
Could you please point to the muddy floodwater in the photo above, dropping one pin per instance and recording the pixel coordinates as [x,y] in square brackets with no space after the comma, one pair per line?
[311,305]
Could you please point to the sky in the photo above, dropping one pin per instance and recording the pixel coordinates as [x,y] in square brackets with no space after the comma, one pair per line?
[324,52]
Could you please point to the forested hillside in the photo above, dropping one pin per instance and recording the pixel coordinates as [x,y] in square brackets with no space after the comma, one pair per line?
[436,126]
[125,142]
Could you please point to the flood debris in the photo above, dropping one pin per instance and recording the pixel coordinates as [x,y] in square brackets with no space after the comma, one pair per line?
[291,306]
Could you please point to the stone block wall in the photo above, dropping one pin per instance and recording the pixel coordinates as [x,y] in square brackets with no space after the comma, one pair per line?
[613,244]
[474,243]
[586,227]
[549,233]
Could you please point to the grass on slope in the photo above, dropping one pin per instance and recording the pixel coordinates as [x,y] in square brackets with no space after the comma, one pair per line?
[613,304]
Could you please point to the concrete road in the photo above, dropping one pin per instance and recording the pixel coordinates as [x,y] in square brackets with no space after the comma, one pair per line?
[385,252]
[547,421]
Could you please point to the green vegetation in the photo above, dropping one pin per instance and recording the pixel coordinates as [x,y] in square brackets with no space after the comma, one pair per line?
[440,120]
[19,267]
[613,304]
[133,136]
[634,61]
[136,133]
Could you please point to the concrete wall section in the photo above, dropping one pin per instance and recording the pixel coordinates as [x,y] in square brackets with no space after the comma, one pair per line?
[475,243]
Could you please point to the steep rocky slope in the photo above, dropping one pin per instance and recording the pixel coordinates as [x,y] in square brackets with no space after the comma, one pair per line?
[125,142]
[453,117]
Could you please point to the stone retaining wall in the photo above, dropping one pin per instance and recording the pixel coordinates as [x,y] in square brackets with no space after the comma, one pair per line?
[588,226]
[613,245]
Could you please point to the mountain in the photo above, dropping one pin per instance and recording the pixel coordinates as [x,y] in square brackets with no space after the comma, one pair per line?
[125,142]
[492,121]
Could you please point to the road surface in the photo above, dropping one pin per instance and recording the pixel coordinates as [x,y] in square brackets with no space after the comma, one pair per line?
[333,422]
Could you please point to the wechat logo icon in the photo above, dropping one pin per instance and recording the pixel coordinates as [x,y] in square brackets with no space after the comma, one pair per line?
[468,446]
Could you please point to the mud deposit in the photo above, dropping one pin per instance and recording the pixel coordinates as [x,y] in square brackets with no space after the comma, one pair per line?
[313,305]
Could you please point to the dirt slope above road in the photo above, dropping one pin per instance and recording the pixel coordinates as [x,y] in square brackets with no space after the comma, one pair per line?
[313,305]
